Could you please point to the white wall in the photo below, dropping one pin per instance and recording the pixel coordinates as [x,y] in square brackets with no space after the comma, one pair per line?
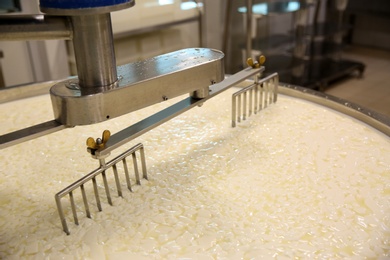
[33,61]
[16,63]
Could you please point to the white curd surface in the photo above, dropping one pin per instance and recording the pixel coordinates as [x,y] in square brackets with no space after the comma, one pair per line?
[296,180]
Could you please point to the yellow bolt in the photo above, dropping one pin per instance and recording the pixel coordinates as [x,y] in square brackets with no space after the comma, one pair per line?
[249,61]
[99,143]
[256,64]
[261,60]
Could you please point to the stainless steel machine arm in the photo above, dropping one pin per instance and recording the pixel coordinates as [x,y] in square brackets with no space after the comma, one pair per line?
[139,85]
[102,90]
[155,120]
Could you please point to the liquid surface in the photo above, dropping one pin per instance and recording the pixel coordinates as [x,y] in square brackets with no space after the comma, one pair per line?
[295,180]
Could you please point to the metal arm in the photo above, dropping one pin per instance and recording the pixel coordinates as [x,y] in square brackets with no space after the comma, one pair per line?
[99,93]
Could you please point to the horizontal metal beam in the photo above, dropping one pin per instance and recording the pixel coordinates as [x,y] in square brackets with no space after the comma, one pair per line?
[30,133]
[140,84]
[34,27]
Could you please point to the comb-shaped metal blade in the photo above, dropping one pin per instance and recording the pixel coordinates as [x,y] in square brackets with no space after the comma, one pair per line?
[254,98]
[102,170]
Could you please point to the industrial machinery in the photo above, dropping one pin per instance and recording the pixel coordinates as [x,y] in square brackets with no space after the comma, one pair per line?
[300,181]
[89,98]
[103,91]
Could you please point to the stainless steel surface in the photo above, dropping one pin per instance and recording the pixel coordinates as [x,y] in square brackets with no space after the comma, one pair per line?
[254,98]
[140,84]
[365,115]
[34,27]
[102,170]
[201,93]
[163,116]
[94,50]
[30,133]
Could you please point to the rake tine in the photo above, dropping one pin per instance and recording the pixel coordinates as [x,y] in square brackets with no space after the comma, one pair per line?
[261,103]
[104,177]
[244,106]
[276,85]
[127,174]
[106,188]
[234,108]
[62,215]
[85,201]
[270,92]
[256,87]
[138,181]
[96,191]
[265,94]
[76,221]
[118,185]
[143,162]
[256,90]
[239,109]
[250,102]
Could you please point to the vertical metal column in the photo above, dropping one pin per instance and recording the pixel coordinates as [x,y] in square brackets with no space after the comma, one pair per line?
[94,50]
[2,82]
[249,4]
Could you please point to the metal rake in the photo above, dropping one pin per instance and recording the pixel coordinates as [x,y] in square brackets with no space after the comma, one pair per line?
[102,170]
[254,98]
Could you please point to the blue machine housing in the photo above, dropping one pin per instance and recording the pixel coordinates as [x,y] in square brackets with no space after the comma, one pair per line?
[80,4]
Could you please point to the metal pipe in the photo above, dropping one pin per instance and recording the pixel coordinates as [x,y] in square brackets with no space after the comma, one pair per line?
[94,51]
[249,4]
[34,27]
[226,31]
[2,82]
